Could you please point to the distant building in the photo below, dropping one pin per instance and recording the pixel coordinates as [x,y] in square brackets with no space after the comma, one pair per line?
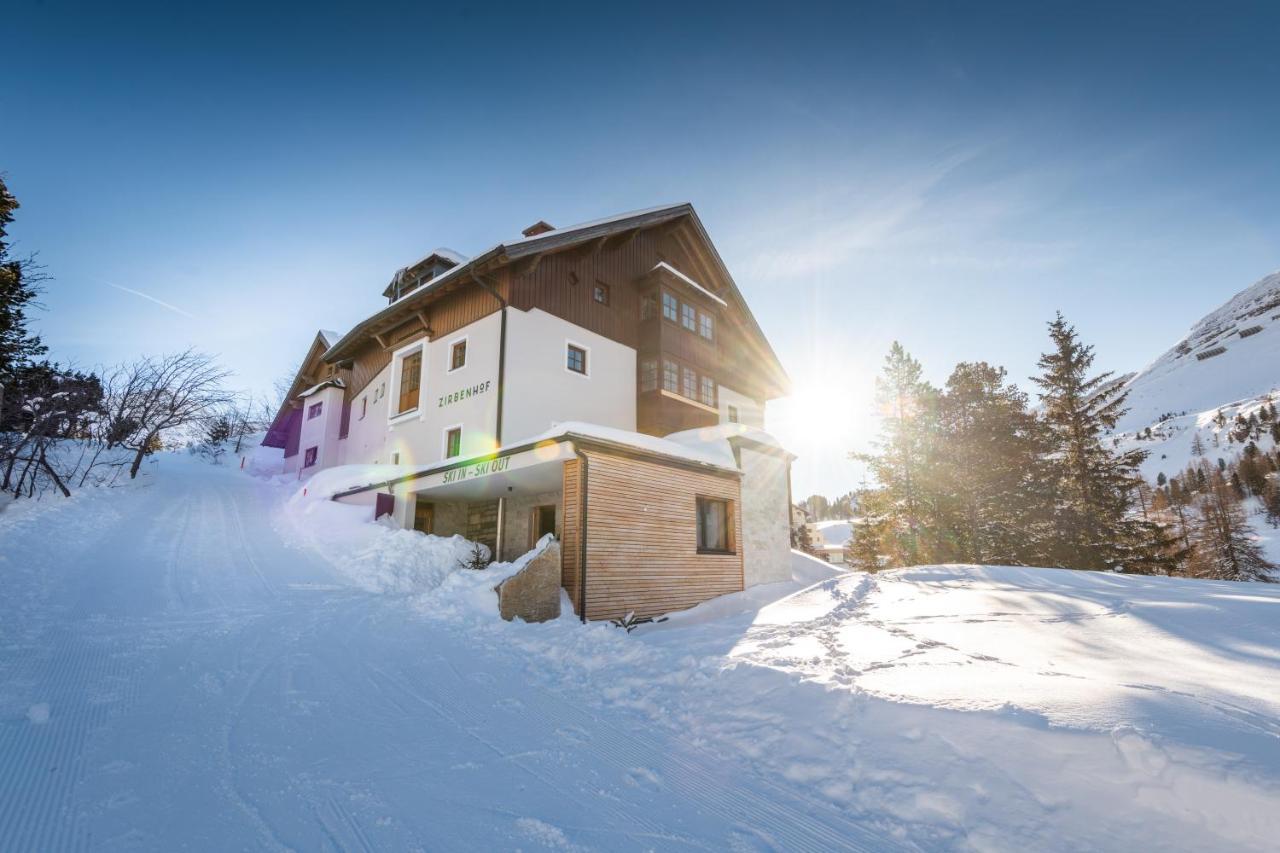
[605,383]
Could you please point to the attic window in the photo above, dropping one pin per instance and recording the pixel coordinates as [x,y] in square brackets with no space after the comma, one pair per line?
[600,293]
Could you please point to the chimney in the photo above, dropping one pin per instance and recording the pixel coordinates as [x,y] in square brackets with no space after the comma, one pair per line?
[539,227]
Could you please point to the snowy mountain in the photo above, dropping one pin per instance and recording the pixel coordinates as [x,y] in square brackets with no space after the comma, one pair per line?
[1230,356]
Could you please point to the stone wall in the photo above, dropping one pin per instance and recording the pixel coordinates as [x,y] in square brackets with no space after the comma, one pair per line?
[766,517]
[482,523]
[533,594]
[516,538]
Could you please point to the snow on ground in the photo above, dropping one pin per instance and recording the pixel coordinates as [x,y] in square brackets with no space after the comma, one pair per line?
[199,661]
[1231,354]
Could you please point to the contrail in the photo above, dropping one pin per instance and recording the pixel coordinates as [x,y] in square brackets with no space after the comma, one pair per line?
[150,298]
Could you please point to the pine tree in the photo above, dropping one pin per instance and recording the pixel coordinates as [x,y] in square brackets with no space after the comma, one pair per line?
[1197,446]
[1225,548]
[905,458]
[1271,501]
[18,290]
[991,500]
[1093,523]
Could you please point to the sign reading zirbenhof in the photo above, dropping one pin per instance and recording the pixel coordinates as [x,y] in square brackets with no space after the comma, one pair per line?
[463,394]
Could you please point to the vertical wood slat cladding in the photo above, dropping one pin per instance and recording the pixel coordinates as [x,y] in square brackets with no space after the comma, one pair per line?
[446,315]
[642,552]
[617,264]
[571,531]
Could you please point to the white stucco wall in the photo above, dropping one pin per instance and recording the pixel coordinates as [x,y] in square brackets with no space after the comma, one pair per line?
[321,432]
[540,390]
[367,435]
[750,412]
[766,530]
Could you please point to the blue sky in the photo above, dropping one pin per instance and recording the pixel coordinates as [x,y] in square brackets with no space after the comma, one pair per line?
[943,174]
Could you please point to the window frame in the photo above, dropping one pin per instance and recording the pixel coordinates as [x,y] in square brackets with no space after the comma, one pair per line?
[703,397]
[689,316]
[648,378]
[444,441]
[733,415]
[315,410]
[688,377]
[598,288]
[648,306]
[397,375]
[453,346]
[311,456]
[569,345]
[730,545]
[706,326]
[668,296]
[670,369]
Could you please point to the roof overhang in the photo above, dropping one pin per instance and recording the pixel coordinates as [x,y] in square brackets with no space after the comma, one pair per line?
[489,475]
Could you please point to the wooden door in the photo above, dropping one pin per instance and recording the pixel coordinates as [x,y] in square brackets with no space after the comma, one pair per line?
[424,517]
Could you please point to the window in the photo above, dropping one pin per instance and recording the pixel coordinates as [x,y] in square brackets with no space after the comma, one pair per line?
[649,374]
[688,317]
[410,381]
[708,391]
[648,306]
[670,377]
[576,359]
[690,387]
[395,458]
[310,458]
[670,308]
[706,326]
[364,406]
[313,411]
[458,354]
[453,442]
[600,293]
[733,415]
[714,519]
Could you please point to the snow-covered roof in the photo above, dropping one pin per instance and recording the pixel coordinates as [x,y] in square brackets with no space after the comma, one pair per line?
[560,232]
[719,456]
[663,265]
[330,336]
[721,437]
[333,380]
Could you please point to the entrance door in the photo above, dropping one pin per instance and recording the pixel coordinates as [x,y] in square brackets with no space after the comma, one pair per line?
[542,523]
[424,517]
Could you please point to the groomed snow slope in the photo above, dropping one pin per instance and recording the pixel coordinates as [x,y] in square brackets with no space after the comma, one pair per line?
[1194,376]
[201,663]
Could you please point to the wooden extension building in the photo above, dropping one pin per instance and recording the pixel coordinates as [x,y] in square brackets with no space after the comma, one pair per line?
[604,382]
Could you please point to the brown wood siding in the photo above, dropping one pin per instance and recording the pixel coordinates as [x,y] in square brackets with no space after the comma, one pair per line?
[642,551]
[571,531]
[367,364]
[451,312]
[618,262]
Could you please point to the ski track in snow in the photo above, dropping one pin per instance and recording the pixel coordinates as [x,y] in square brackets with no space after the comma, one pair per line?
[209,687]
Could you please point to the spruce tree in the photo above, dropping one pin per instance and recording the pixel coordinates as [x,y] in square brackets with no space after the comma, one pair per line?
[905,459]
[1093,523]
[989,484]
[1225,548]
[18,291]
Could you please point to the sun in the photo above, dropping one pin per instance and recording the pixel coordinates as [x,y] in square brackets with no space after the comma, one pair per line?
[817,419]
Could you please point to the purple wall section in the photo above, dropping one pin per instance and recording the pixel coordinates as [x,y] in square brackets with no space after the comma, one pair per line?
[383,506]
[294,434]
[345,426]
